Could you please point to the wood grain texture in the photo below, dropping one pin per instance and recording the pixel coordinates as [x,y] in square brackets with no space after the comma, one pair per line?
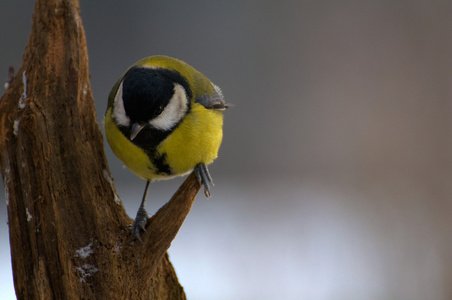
[69,238]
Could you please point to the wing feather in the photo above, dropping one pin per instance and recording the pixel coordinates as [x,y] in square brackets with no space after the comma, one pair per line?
[214,101]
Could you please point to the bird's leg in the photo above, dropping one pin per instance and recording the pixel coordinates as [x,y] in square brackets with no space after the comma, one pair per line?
[142,216]
[204,178]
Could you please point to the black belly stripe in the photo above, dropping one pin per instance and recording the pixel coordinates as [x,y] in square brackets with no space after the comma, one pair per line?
[148,139]
[159,161]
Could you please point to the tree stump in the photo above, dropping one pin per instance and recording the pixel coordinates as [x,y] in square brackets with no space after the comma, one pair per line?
[69,233]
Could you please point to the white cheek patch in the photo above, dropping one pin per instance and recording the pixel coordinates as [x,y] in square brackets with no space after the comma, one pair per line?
[119,112]
[174,112]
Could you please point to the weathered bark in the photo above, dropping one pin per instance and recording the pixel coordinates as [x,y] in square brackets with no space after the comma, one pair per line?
[69,238]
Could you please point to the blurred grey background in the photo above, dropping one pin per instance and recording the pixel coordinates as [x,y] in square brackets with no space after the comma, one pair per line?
[334,177]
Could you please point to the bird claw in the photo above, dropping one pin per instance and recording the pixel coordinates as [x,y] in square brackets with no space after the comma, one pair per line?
[204,178]
[140,223]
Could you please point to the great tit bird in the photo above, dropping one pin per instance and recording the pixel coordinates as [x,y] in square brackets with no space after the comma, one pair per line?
[164,119]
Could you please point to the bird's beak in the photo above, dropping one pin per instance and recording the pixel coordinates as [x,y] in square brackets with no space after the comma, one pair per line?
[136,128]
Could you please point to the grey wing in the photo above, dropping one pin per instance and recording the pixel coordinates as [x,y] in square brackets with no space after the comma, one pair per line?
[215,101]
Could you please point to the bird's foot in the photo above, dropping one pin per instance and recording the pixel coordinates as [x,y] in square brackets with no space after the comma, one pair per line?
[204,178]
[140,222]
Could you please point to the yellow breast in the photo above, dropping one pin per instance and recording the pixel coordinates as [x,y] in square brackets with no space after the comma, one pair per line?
[196,140]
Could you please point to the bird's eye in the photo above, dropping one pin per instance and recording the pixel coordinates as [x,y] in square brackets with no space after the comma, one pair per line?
[159,110]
